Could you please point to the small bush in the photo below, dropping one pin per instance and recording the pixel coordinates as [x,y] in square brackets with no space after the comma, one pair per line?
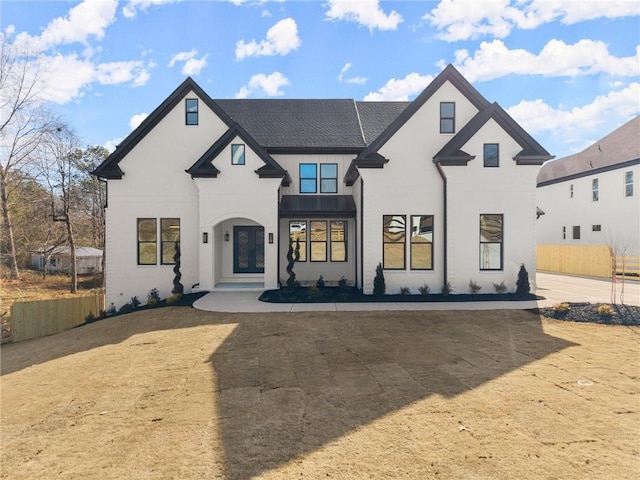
[320,282]
[522,285]
[174,298]
[379,286]
[153,297]
[405,291]
[135,303]
[500,287]
[474,287]
[343,283]
[446,289]
[111,310]
[561,307]
[605,310]
[424,289]
[90,318]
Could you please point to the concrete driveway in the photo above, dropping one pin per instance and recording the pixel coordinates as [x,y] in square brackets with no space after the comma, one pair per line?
[555,288]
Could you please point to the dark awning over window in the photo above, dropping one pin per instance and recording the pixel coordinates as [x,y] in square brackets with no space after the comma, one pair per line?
[316,206]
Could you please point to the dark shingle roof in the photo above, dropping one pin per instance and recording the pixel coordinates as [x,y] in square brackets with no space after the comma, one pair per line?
[618,149]
[375,117]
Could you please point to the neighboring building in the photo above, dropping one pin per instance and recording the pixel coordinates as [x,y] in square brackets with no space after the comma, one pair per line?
[58,260]
[441,189]
[593,197]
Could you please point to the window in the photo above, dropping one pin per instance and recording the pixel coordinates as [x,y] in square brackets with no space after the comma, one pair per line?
[564,233]
[237,154]
[596,228]
[318,242]
[447,117]
[571,191]
[169,238]
[191,108]
[576,232]
[628,184]
[594,190]
[338,240]
[422,242]
[308,178]
[491,155]
[298,233]
[328,178]
[491,228]
[393,240]
[147,241]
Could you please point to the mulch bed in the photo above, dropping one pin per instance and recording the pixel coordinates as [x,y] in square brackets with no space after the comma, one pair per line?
[587,312]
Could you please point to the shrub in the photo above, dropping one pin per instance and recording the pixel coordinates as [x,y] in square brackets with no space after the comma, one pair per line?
[153,297]
[424,289]
[111,310]
[320,282]
[561,307]
[474,287]
[343,283]
[522,285]
[500,287]
[130,306]
[178,288]
[379,286]
[405,291]
[174,298]
[90,318]
[605,310]
[446,289]
[292,257]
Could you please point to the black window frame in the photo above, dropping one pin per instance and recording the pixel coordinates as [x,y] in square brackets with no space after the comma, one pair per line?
[303,243]
[313,242]
[488,163]
[322,178]
[564,233]
[167,242]
[301,178]
[343,241]
[595,186]
[576,232]
[596,228]
[413,235]
[386,242]
[501,242]
[628,183]
[235,147]
[153,242]
[451,118]
[189,115]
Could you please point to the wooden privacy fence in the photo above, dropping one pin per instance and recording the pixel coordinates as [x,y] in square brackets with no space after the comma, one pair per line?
[589,260]
[47,317]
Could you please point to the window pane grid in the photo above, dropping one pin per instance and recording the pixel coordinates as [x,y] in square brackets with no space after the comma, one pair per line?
[422,242]
[338,241]
[628,184]
[491,239]
[491,155]
[191,111]
[308,178]
[318,243]
[447,117]
[393,239]
[328,178]
[170,237]
[147,241]
[298,232]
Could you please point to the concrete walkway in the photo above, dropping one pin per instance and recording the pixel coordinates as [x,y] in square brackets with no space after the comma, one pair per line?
[555,288]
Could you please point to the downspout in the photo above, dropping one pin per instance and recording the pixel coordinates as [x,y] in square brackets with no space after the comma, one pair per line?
[361,256]
[444,200]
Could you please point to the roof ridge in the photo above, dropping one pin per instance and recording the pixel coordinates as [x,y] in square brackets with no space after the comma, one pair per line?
[355,106]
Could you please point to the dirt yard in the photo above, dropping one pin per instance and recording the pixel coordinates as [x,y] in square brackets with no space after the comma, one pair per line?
[177,393]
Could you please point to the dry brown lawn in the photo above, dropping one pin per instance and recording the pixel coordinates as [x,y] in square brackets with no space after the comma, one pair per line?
[177,393]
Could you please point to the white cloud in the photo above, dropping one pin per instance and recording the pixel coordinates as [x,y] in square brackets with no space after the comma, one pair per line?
[269,84]
[400,90]
[192,65]
[468,19]
[578,124]
[136,120]
[364,12]
[586,57]
[87,19]
[281,39]
[111,145]
[353,80]
[131,9]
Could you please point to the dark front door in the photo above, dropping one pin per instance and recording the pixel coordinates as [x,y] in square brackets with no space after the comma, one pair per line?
[248,249]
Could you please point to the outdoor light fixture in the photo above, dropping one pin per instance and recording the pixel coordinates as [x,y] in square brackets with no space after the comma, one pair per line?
[205,237]
[226,236]
[270,237]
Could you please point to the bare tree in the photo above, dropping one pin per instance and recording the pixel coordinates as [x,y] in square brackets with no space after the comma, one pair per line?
[23,122]
[59,157]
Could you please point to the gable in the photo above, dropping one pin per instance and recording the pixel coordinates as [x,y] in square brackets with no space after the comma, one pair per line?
[110,169]
[532,152]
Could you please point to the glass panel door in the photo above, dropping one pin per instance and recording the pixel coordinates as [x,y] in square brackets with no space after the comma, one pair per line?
[248,249]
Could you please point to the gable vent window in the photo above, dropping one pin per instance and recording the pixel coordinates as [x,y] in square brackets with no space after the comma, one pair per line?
[596,228]
[594,190]
[491,158]
[191,108]
[571,191]
[628,184]
[447,117]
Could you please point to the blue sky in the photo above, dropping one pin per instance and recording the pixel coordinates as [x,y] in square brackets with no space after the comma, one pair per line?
[566,70]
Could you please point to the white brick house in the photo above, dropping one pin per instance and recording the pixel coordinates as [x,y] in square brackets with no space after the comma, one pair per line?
[441,189]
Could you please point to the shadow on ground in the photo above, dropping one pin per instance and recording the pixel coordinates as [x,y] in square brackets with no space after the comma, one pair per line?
[289,384]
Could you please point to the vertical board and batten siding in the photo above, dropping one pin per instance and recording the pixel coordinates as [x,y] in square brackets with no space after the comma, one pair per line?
[47,317]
